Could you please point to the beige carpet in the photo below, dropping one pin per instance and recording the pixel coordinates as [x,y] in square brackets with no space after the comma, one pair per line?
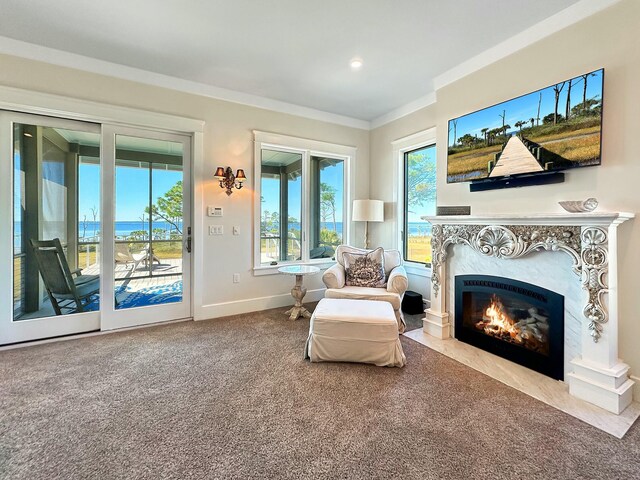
[233,398]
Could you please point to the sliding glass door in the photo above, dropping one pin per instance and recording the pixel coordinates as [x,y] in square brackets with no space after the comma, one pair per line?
[147,203]
[94,227]
[50,266]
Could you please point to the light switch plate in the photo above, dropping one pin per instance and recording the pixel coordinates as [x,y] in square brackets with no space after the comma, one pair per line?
[236,230]
[216,230]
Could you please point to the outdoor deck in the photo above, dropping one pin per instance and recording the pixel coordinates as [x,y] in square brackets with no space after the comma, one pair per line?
[160,274]
[134,280]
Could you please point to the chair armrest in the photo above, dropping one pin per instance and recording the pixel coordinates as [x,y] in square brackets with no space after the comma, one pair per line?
[398,281]
[333,277]
[77,271]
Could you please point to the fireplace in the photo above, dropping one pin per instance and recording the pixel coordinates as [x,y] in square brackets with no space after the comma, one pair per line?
[518,321]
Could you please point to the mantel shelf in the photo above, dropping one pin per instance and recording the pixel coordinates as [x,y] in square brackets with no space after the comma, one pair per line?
[579,219]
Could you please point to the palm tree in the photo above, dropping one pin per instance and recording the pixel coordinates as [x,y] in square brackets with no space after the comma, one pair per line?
[532,120]
[484,134]
[493,133]
[519,124]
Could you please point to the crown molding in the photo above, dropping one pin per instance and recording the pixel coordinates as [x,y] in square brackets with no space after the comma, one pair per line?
[561,20]
[39,103]
[61,58]
[406,109]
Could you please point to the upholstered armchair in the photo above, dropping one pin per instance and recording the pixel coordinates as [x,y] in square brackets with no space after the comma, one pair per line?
[396,281]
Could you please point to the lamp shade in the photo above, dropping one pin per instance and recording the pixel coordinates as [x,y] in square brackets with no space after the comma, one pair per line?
[219,172]
[368,211]
[240,176]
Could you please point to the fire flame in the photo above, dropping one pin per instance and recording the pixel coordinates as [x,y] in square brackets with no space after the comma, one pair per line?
[499,321]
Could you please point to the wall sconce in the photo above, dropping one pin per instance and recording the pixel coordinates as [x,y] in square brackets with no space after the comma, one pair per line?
[228,180]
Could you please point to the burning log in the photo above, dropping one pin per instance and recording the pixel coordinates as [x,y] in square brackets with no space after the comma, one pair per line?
[529,332]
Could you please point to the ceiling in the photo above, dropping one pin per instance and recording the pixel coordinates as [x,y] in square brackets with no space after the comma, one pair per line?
[292,51]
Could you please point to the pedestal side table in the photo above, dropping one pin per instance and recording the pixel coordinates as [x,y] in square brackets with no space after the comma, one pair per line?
[298,292]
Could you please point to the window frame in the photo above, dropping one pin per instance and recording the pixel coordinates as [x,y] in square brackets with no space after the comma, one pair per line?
[402,146]
[307,148]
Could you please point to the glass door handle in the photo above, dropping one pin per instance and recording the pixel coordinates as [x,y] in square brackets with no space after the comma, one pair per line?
[189,240]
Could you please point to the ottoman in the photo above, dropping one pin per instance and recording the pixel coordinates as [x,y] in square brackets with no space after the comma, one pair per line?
[363,331]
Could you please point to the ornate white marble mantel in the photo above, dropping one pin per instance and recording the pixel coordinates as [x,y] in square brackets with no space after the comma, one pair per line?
[597,375]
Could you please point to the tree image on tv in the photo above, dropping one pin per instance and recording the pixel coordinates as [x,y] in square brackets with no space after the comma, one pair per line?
[556,128]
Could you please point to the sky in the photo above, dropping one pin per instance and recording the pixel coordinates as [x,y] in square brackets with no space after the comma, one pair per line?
[271,192]
[428,208]
[414,212]
[132,190]
[524,108]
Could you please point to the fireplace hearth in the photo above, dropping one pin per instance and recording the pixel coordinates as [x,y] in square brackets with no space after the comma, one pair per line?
[518,321]
[565,253]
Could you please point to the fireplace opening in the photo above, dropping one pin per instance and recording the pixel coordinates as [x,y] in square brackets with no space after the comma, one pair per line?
[518,321]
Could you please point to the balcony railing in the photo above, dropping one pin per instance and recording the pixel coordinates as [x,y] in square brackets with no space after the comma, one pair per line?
[270,247]
[165,249]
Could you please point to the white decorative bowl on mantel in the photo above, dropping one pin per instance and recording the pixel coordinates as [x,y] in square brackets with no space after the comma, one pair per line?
[579,206]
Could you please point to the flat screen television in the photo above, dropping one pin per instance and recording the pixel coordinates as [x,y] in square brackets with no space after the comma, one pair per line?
[555,128]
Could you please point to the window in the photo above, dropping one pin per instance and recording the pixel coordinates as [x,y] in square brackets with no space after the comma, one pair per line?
[327,206]
[415,197]
[301,199]
[281,208]
[419,200]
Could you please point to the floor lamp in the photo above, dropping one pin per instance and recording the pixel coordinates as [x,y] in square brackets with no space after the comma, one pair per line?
[368,211]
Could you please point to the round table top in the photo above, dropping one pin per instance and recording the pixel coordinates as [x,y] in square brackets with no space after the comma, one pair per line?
[298,270]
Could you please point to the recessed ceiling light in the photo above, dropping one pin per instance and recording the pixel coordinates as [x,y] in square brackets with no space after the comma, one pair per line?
[27,134]
[356,63]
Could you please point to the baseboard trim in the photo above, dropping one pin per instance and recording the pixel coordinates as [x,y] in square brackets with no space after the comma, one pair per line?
[236,307]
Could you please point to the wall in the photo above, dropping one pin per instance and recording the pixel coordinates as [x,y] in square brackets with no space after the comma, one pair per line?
[609,39]
[228,140]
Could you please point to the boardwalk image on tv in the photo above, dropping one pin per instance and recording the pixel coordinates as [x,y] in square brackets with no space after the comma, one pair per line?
[555,128]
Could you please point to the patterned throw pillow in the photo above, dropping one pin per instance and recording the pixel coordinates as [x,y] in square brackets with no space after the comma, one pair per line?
[364,270]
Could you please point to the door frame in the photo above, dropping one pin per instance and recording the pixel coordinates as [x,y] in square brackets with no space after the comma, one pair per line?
[63,107]
[110,317]
[13,331]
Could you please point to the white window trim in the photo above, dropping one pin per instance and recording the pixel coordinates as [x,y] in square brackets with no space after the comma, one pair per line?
[400,147]
[307,148]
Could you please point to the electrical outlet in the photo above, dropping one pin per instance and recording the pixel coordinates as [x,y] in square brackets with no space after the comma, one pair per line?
[236,230]
[236,278]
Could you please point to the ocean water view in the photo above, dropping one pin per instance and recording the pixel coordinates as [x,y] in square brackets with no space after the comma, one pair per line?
[415,228]
[125,228]
[88,231]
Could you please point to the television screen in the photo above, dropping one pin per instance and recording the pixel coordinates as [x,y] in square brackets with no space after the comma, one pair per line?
[555,128]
